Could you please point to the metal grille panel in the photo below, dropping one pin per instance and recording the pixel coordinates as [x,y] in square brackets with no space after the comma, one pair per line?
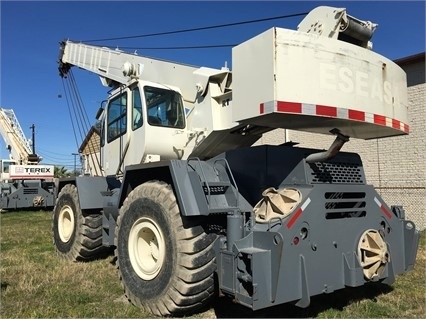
[345,205]
[30,191]
[336,173]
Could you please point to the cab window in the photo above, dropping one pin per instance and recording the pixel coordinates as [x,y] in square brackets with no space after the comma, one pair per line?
[164,107]
[116,117]
[6,166]
[136,108]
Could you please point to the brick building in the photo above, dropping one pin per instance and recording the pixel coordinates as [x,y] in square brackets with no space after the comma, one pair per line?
[394,165]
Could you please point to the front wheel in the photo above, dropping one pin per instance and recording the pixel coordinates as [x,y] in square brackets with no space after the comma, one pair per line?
[76,235]
[165,261]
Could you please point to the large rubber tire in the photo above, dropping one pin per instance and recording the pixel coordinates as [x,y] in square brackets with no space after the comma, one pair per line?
[165,261]
[76,236]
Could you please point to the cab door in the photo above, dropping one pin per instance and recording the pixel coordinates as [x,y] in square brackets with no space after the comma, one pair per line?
[115,133]
[165,132]
[123,131]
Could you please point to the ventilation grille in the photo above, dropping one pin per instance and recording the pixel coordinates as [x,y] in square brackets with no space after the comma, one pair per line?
[345,205]
[215,190]
[30,191]
[336,173]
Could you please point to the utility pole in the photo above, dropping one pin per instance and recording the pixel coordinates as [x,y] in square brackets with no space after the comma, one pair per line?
[33,157]
[75,167]
[32,127]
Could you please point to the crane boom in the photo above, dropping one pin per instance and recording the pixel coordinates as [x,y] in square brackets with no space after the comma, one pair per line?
[116,67]
[16,142]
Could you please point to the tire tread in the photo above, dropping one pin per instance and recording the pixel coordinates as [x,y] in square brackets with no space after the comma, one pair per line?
[192,285]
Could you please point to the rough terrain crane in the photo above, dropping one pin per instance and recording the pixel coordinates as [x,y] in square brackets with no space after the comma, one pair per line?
[187,199]
[24,182]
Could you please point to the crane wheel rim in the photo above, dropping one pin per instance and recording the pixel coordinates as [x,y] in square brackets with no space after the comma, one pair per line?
[373,254]
[146,248]
[66,223]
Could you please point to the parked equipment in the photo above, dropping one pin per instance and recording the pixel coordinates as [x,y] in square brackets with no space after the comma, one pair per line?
[187,198]
[24,182]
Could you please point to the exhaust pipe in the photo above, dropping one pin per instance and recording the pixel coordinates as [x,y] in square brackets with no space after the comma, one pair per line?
[332,151]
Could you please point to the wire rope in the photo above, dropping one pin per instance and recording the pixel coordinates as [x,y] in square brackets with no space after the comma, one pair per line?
[198,28]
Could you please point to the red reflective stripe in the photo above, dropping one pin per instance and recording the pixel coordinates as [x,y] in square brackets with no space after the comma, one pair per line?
[262,108]
[331,111]
[406,128]
[396,124]
[294,218]
[385,211]
[326,110]
[379,119]
[356,115]
[382,208]
[289,107]
[30,177]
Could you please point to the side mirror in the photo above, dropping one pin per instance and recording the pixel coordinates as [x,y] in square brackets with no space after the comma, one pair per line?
[99,113]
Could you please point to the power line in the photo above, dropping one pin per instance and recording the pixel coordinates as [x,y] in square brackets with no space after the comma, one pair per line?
[199,28]
[43,150]
[57,160]
[176,48]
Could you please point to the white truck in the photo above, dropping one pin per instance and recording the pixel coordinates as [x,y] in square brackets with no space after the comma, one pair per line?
[185,197]
[24,182]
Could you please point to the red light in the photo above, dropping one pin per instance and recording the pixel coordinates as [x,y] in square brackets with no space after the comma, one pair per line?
[295,240]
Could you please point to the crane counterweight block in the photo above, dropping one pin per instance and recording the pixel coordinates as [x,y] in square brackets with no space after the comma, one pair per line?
[318,83]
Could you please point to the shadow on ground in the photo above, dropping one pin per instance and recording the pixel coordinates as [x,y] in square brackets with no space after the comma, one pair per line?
[226,308]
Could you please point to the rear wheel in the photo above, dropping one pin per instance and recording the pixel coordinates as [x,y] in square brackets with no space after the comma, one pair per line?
[76,235]
[165,261]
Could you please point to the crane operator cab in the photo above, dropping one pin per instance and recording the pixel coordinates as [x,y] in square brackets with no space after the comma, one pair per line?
[5,169]
[149,113]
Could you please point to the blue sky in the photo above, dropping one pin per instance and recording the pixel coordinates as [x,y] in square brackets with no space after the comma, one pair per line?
[31,32]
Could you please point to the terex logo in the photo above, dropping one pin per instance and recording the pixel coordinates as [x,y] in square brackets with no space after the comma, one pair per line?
[37,170]
[363,84]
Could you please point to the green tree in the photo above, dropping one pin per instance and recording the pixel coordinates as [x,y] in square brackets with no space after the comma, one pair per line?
[61,171]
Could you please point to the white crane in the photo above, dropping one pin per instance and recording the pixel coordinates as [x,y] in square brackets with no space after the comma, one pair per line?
[23,181]
[191,212]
